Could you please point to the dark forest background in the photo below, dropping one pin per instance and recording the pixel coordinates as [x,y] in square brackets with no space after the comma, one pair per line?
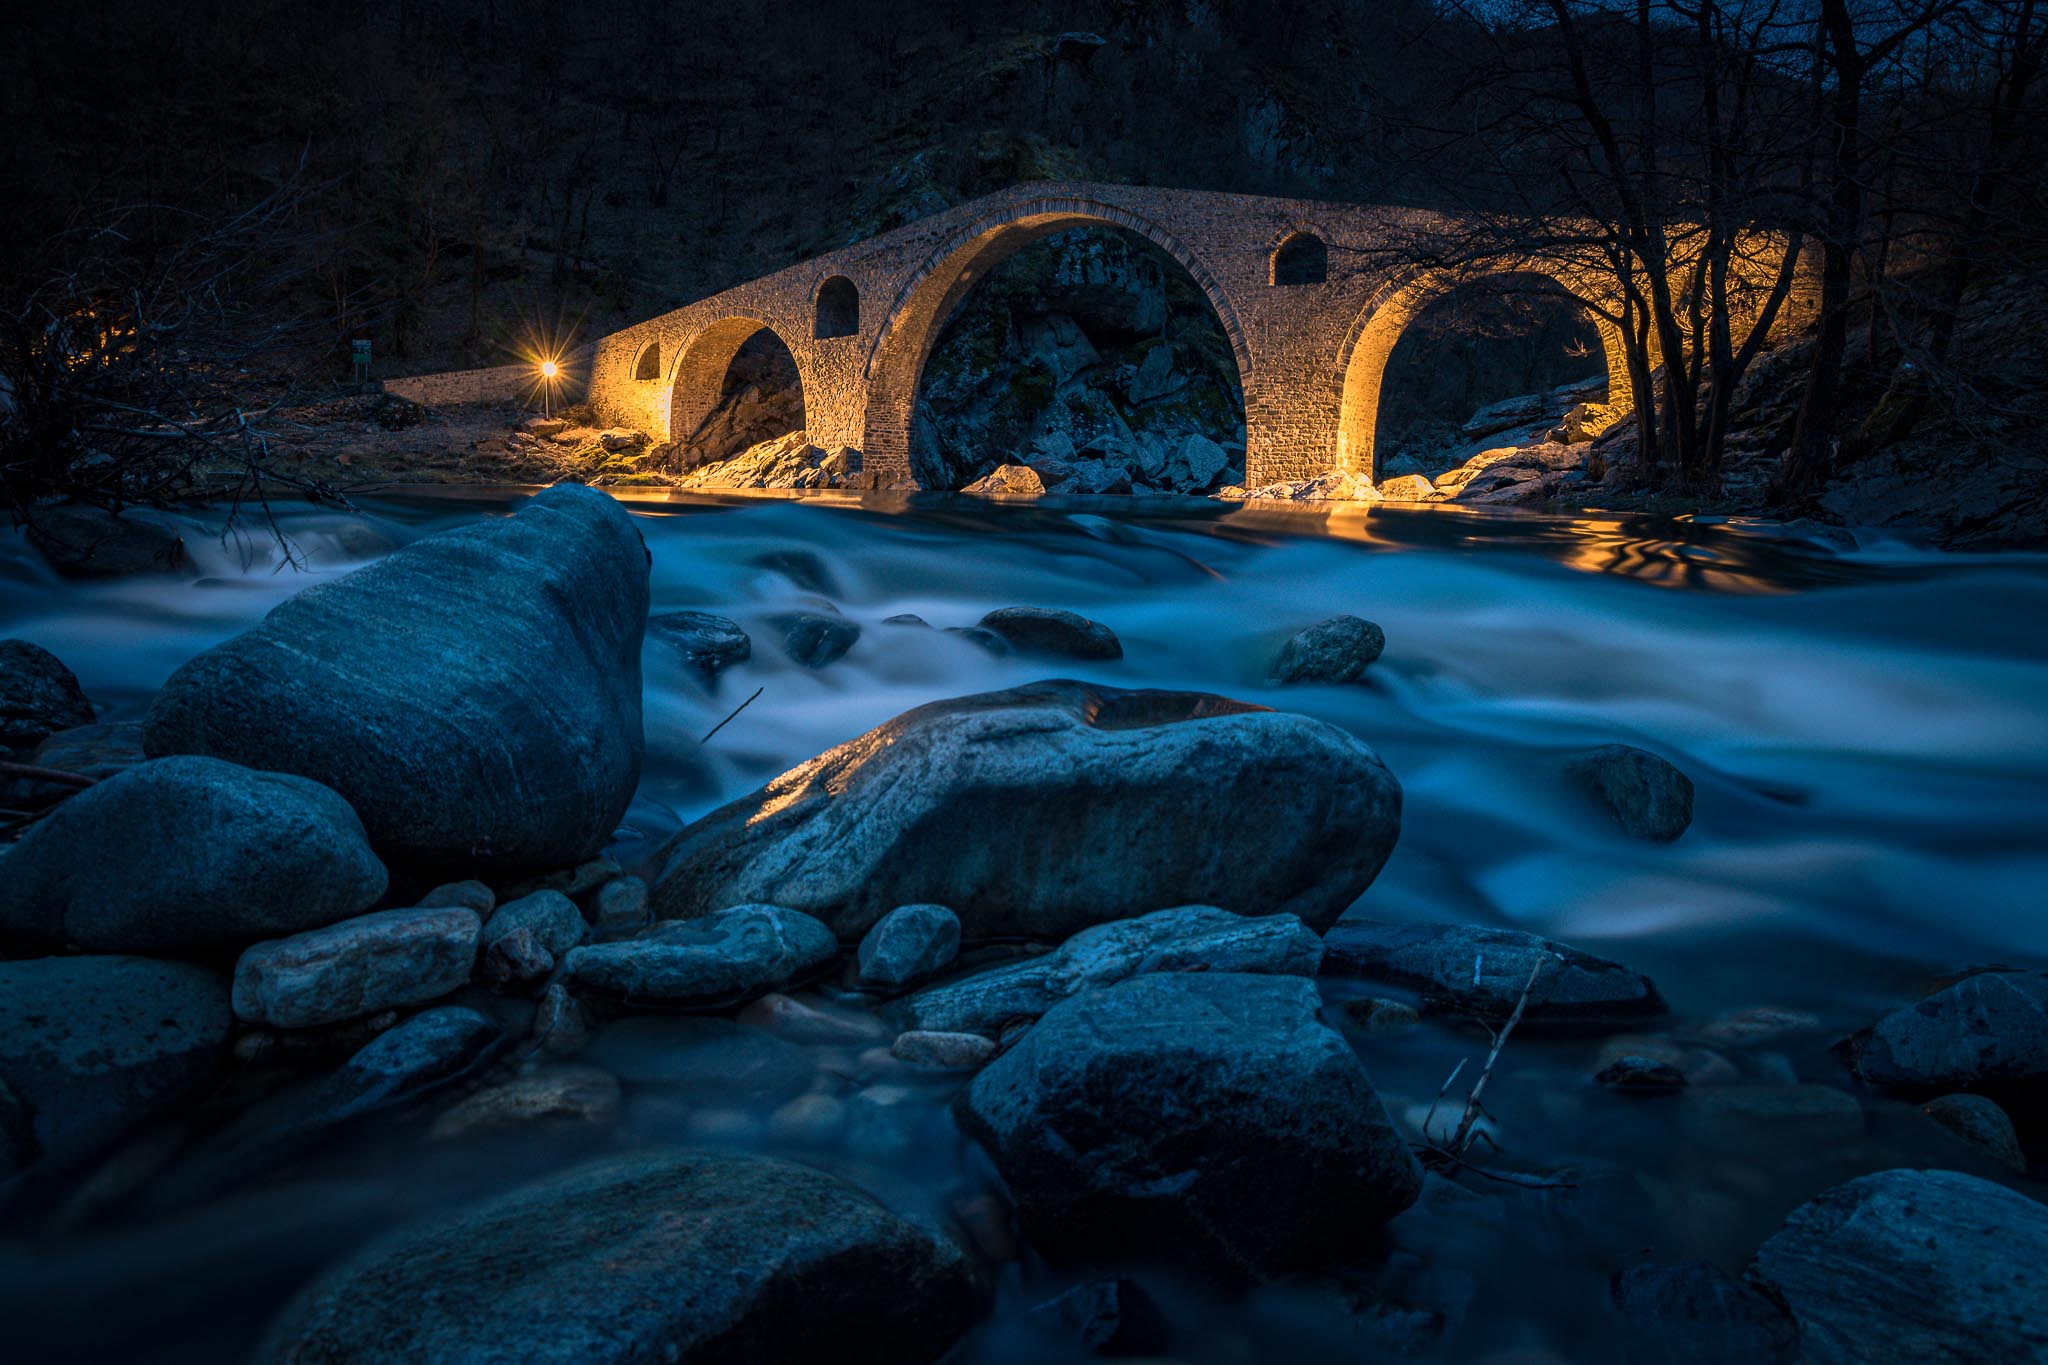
[238,189]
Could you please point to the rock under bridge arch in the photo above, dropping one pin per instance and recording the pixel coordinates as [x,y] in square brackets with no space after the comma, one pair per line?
[698,381]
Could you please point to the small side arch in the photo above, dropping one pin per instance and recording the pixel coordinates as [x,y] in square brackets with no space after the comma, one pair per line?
[838,309]
[648,366]
[1302,257]
[1362,364]
[701,366]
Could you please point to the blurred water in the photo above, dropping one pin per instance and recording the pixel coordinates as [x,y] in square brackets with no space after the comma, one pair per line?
[1865,727]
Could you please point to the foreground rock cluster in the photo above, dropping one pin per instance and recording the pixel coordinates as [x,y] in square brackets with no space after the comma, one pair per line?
[1116,933]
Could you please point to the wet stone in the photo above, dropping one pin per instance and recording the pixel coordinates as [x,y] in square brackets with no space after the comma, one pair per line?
[1692,1313]
[814,639]
[571,1095]
[470,895]
[1338,650]
[708,644]
[1112,1317]
[1982,1124]
[618,907]
[1647,796]
[372,962]
[1641,1076]
[1048,630]
[39,696]
[943,1051]
[907,945]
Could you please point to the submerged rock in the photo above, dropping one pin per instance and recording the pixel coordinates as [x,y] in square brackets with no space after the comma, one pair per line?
[1191,938]
[1210,1120]
[1691,1313]
[714,963]
[711,1061]
[707,643]
[90,542]
[815,639]
[89,1045]
[581,1095]
[1984,1034]
[907,945]
[1050,631]
[1982,1124]
[186,854]
[474,696]
[407,1060]
[1338,650]
[1104,1317]
[470,895]
[1648,797]
[1049,807]
[1467,969]
[39,696]
[942,1051]
[1912,1266]
[372,962]
[684,1257]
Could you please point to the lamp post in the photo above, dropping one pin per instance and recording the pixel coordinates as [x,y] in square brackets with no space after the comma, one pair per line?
[548,371]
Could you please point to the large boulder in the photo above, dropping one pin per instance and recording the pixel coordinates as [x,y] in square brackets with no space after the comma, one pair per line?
[1211,1120]
[38,696]
[1913,1266]
[187,854]
[1985,1033]
[475,696]
[1469,969]
[1191,938]
[88,1045]
[684,1257]
[1049,807]
[717,963]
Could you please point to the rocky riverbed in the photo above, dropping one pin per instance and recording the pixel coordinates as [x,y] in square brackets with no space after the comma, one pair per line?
[533,930]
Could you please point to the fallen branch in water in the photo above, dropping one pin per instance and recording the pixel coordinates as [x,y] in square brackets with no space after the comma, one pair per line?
[729,715]
[35,773]
[1457,1150]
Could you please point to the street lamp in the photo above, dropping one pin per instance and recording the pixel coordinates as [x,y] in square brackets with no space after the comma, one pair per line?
[548,370]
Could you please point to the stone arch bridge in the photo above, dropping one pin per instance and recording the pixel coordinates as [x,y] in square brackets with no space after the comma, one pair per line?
[1308,294]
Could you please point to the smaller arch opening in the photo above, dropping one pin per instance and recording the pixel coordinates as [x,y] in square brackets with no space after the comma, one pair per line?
[838,309]
[1301,259]
[648,366]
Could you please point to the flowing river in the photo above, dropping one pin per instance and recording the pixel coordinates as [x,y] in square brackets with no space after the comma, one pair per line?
[1866,726]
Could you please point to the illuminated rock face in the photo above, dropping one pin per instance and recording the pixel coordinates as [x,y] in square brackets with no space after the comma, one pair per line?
[474,696]
[1310,345]
[1044,809]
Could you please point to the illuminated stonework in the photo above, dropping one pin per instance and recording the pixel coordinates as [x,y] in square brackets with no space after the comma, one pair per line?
[862,320]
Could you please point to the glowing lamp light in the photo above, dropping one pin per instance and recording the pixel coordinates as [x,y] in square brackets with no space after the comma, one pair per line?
[548,369]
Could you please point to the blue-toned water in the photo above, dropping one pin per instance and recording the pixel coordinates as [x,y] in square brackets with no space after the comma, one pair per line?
[1866,726]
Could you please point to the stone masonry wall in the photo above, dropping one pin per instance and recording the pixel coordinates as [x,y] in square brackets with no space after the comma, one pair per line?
[1309,355]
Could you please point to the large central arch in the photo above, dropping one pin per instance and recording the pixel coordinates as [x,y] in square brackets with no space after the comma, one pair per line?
[1362,364]
[896,360]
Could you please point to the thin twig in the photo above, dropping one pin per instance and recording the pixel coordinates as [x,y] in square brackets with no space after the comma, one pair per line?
[1461,1140]
[35,773]
[735,711]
